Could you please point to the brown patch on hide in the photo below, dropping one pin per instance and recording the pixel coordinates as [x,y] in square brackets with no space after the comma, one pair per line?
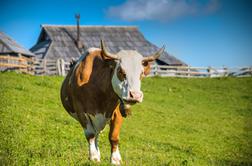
[85,68]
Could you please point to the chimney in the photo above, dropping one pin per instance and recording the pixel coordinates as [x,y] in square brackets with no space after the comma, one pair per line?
[78,42]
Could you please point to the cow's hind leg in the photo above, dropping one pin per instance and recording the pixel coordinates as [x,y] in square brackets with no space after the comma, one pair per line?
[92,138]
[115,126]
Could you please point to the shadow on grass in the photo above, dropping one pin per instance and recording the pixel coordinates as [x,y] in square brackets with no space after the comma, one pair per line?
[166,146]
[230,163]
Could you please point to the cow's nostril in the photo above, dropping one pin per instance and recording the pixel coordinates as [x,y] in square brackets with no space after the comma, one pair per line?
[135,95]
[131,96]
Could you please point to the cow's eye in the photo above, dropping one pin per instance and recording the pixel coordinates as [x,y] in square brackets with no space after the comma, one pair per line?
[121,74]
[145,63]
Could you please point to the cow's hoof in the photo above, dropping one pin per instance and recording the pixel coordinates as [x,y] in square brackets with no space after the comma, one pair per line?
[115,161]
[94,155]
[94,158]
[116,158]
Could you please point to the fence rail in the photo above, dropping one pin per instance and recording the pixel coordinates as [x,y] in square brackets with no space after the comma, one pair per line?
[51,67]
[189,71]
[37,66]
[21,64]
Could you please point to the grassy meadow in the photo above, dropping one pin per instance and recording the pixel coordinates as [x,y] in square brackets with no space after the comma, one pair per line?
[181,122]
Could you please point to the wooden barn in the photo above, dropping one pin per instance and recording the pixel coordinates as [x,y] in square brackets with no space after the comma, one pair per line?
[67,42]
[13,56]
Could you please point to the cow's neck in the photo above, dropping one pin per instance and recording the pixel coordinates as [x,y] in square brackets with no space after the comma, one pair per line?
[101,78]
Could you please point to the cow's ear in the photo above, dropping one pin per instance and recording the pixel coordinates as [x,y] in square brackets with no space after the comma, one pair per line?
[147,68]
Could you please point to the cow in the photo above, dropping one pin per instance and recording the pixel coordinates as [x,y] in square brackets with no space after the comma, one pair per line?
[99,88]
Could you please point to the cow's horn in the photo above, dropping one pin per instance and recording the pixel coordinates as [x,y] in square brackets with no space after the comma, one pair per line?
[106,53]
[155,55]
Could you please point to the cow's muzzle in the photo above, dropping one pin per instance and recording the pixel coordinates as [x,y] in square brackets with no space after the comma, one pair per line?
[134,97]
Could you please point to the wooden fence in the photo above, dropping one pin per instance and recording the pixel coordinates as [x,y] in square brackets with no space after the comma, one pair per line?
[199,72]
[51,67]
[21,64]
[60,67]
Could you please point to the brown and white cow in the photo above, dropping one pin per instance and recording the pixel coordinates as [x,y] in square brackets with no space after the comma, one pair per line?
[97,85]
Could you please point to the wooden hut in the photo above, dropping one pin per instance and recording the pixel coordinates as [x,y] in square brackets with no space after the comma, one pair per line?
[67,42]
[13,56]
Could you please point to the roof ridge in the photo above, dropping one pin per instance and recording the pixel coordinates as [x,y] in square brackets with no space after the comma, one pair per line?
[87,26]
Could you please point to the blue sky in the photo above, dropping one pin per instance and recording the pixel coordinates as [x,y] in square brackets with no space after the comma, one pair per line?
[199,32]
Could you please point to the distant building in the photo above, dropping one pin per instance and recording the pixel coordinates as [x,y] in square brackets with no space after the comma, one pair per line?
[10,47]
[12,55]
[61,41]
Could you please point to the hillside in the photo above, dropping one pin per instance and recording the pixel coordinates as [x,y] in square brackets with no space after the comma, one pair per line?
[180,122]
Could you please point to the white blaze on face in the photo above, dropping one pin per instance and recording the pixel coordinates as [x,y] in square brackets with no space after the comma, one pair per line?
[131,63]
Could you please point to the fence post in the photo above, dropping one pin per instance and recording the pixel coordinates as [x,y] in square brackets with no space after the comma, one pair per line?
[58,64]
[250,70]
[44,65]
[225,69]
[61,67]
[209,70]
[19,62]
[63,72]
[156,69]
[32,66]
[188,71]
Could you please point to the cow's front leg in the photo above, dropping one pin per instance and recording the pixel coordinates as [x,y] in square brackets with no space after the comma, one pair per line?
[92,138]
[115,126]
[94,152]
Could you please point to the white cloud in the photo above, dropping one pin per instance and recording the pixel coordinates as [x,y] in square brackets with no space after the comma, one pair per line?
[162,10]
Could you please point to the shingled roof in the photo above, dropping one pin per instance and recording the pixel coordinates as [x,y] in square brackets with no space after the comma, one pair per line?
[57,41]
[8,46]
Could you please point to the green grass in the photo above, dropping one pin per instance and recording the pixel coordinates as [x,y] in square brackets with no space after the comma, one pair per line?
[180,122]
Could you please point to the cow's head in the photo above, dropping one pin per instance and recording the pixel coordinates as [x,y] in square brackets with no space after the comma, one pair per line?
[130,68]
